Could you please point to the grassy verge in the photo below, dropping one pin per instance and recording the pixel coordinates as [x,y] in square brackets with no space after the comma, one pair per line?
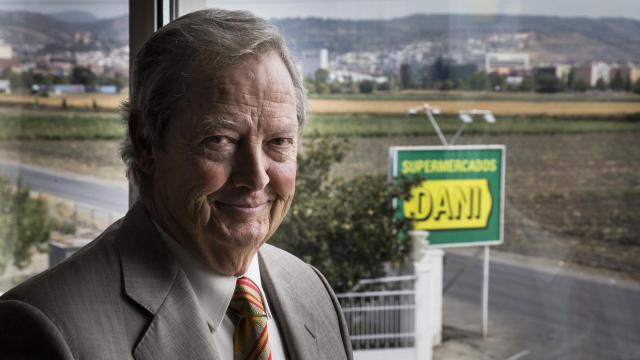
[60,126]
[100,126]
[367,125]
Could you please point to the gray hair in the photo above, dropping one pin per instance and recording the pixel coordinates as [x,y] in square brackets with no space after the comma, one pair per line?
[160,75]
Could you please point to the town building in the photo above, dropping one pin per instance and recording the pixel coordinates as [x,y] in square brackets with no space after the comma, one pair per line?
[591,72]
[629,73]
[6,52]
[312,60]
[352,76]
[6,56]
[5,86]
[506,63]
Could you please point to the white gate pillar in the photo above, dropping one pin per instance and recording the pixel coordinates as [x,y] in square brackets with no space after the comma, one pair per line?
[423,323]
[435,257]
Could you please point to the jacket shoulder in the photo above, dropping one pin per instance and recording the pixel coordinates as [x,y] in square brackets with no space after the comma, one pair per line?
[27,333]
[78,276]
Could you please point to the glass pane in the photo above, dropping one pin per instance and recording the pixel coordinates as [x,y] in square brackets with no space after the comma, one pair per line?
[63,73]
[557,84]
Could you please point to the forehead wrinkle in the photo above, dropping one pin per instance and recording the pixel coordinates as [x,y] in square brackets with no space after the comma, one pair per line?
[217,122]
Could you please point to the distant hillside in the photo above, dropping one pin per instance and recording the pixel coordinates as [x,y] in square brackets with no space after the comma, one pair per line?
[31,32]
[553,39]
[75,17]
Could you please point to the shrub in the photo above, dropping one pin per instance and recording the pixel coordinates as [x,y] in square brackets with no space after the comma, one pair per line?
[344,227]
[23,225]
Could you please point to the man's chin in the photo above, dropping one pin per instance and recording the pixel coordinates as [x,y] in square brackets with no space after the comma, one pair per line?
[241,236]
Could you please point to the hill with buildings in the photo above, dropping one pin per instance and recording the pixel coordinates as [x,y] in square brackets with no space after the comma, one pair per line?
[545,38]
[33,33]
[464,37]
[467,37]
[421,50]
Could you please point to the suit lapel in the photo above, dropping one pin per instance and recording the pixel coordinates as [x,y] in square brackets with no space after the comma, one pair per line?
[296,321]
[153,279]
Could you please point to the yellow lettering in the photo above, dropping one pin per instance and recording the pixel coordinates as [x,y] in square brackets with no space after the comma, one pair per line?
[449,204]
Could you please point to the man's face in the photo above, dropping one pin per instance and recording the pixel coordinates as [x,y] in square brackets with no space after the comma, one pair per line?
[226,176]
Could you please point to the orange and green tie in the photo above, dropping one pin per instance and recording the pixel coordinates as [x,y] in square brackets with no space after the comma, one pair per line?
[250,337]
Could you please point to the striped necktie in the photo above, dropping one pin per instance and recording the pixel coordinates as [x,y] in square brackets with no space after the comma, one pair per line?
[250,337]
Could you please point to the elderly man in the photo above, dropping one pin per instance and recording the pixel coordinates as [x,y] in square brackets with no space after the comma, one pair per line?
[216,111]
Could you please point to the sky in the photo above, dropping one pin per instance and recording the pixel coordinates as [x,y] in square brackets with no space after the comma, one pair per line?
[361,9]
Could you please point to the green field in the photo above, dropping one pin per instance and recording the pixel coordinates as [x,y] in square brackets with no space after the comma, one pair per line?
[365,125]
[60,126]
[96,126]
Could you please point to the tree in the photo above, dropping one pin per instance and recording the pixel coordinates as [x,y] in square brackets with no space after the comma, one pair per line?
[527,84]
[406,80]
[84,76]
[617,82]
[580,85]
[344,227]
[320,78]
[24,226]
[571,79]
[446,85]
[636,87]
[601,84]
[366,86]
[479,81]
[547,84]
[384,86]
[497,82]
[441,70]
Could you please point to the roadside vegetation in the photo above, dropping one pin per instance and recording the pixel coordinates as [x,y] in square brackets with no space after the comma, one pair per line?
[24,225]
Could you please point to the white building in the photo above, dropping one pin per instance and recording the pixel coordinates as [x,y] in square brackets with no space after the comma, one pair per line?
[312,60]
[345,75]
[512,61]
[600,70]
[6,52]
[5,87]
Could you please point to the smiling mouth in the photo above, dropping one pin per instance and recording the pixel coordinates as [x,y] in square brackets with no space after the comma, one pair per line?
[246,209]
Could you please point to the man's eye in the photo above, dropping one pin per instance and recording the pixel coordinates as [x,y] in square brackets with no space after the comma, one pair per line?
[217,139]
[281,141]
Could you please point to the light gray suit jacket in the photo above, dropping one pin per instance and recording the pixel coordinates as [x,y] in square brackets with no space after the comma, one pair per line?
[124,296]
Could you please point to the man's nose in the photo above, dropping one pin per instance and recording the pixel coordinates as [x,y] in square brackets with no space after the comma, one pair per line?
[250,167]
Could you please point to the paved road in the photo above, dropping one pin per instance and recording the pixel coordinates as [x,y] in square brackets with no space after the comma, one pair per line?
[544,313]
[83,190]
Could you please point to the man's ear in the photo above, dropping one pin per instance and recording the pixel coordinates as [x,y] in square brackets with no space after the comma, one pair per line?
[143,148]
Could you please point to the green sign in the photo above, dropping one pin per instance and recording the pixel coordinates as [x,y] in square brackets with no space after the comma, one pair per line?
[460,200]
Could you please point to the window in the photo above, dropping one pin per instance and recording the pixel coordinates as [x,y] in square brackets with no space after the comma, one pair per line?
[64,68]
[555,83]
[564,282]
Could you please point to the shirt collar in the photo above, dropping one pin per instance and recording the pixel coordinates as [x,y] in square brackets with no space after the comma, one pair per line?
[213,290]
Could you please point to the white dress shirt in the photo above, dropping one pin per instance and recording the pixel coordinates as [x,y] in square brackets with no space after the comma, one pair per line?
[214,292]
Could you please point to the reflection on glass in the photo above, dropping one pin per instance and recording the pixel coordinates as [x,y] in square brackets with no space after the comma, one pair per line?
[555,82]
[63,73]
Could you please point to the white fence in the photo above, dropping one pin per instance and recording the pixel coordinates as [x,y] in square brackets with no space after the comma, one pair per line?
[398,317]
[381,318]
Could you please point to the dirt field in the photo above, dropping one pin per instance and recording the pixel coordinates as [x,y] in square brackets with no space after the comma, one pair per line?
[497,107]
[75,101]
